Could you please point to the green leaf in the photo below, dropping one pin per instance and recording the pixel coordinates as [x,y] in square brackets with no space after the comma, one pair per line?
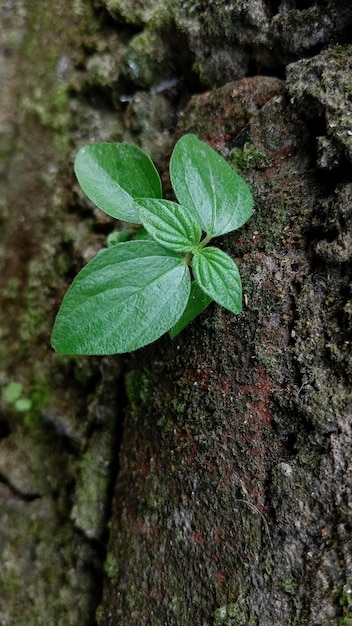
[142,234]
[125,298]
[12,392]
[170,224]
[113,174]
[23,405]
[208,186]
[119,236]
[217,274]
[198,301]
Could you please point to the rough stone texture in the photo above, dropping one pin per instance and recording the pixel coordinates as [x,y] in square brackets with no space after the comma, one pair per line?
[57,454]
[237,440]
[230,40]
[323,87]
[233,498]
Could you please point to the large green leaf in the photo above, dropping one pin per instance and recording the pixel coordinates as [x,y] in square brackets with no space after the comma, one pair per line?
[125,298]
[208,186]
[169,223]
[217,274]
[113,174]
[198,301]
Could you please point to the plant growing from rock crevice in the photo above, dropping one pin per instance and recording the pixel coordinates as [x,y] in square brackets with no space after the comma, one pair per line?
[133,292]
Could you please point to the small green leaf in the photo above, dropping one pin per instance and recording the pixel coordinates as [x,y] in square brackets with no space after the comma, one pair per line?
[23,405]
[208,186]
[217,274]
[119,236]
[126,297]
[169,223]
[113,174]
[12,392]
[143,235]
[197,302]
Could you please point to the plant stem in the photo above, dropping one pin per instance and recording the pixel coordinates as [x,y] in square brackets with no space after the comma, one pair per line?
[189,256]
[206,240]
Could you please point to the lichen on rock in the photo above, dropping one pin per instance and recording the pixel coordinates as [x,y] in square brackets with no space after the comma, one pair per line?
[322,88]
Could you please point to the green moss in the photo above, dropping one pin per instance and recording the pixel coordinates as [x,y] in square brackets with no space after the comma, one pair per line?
[232,615]
[54,584]
[137,387]
[162,16]
[151,12]
[12,288]
[40,394]
[249,157]
[92,484]
[289,586]
[34,319]
[111,567]
[289,202]
[345,602]
[46,98]
[99,615]
[166,421]
[147,59]
[51,108]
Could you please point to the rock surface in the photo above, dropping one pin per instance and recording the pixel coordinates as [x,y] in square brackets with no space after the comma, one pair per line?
[233,492]
[237,439]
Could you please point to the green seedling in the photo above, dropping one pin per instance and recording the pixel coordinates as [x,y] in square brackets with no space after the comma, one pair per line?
[12,394]
[135,291]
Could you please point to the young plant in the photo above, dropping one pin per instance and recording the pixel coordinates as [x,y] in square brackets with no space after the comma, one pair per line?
[133,292]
